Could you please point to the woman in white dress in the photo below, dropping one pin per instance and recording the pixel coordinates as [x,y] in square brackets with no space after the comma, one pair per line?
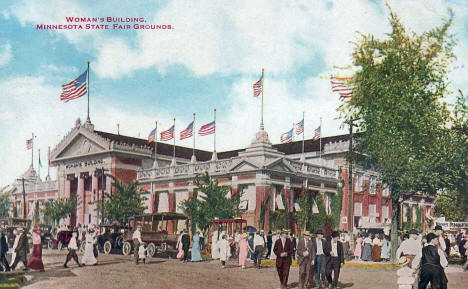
[88,256]
[224,250]
[214,246]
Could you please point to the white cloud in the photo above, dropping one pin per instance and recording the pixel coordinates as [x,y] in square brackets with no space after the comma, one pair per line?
[5,54]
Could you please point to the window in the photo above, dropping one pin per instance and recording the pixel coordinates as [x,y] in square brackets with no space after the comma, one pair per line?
[358,209]
[386,191]
[163,202]
[428,211]
[415,214]
[180,197]
[357,183]
[372,210]
[385,212]
[372,185]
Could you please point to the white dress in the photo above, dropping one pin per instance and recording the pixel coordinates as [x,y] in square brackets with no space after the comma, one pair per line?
[224,249]
[214,246]
[88,256]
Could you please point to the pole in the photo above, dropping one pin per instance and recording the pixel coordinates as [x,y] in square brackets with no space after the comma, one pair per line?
[320,140]
[193,130]
[88,91]
[214,142]
[102,198]
[173,147]
[118,128]
[39,163]
[32,150]
[263,81]
[303,131]
[350,178]
[24,200]
[156,142]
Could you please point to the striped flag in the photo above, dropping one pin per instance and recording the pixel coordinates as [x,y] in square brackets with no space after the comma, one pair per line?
[300,127]
[76,88]
[152,136]
[317,132]
[258,87]
[207,129]
[167,134]
[188,132]
[29,143]
[287,136]
[339,85]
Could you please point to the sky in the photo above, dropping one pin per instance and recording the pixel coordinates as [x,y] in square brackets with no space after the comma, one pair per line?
[210,58]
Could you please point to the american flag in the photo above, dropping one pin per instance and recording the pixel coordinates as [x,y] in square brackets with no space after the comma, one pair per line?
[339,85]
[167,134]
[75,89]
[188,132]
[287,136]
[152,136]
[317,133]
[207,129]
[258,87]
[29,143]
[300,127]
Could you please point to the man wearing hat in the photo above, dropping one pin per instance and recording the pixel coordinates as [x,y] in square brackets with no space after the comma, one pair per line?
[72,248]
[320,258]
[333,249]
[259,247]
[283,250]
[22,250]
[439,234]
[433,261]
[3,252]
[305,259]
[410,247]
[136,242]
[185,244]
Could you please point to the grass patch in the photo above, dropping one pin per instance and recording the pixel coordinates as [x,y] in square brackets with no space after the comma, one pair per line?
[455,260]
[11,281]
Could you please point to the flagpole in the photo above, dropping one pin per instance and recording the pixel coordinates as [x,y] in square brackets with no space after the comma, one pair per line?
[48,162]
[39,163]
[263,80]
[320,140]
[87,119]
[303,130]
[193,134]
[173,147]
[214,156]
[32,151]
[156,144]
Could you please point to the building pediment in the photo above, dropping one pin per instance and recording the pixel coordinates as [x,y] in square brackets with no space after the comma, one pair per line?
[79,145]
[280,165]
[244,165]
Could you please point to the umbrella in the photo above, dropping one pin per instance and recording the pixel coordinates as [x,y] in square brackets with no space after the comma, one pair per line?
[251,229]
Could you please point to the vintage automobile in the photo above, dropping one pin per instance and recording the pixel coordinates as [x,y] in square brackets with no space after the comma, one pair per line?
[154,232]
[112,237]
[10,224]
[46,235]
[62,240]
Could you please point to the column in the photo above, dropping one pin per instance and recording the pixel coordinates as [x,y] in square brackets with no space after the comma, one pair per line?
[171,224]
[108,184]
[81,199]
[262,193]
[66,193]
[95,193]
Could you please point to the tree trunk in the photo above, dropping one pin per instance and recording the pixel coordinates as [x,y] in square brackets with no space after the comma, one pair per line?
[394,229]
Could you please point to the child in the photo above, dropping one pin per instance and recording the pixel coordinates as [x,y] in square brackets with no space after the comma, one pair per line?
[142,252]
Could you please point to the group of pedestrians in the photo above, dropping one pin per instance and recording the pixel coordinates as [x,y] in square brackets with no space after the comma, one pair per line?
[372,247]
[183,246]
[20,250]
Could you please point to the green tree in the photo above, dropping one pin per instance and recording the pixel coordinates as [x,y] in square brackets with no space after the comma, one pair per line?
[305,217]
[125,202]
[449,204]
[398,104]
[4,205]
[55,210]
[213,203]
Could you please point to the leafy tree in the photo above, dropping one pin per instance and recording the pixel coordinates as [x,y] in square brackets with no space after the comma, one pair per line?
[125,202]
[213,203]
[450,205]
[55,210]
[398,104]
[4,205]
[336,203]
[305,218]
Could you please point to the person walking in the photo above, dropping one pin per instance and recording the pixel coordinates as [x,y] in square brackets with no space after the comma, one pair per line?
[333,249]
[432,261]
[294,243]
[21,250]
[3,251]
[180,253]
[142,252]
[88,258]
[305,259]
[35,260]
[283,249]
[358,248]
[243,250]
[386,246]
[224,250]
[376,250]
[269,243]
[72,248]
[320,259]
[136,237]
[185,244]
[410,247]
[196,248]
[259,248]
[367,248]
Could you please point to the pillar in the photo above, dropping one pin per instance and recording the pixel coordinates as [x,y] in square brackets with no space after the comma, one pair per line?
[81,199]
[262,194]
[95,193]
[171,224]
[66,193]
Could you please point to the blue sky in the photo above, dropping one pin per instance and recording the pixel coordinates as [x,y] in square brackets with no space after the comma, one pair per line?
[210,59]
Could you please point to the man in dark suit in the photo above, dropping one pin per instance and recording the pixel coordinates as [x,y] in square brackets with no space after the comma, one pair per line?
[333,249]
[269,244]
[433,261]
[283,250]
[305,259]
[22,250]
[4,266]
[320,258]
[185,244]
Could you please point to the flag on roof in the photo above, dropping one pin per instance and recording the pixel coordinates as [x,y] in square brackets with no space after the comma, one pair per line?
[40,163]
[76,88]
[340,85]
[258,87]
[287,136]
[188,132]
[317,132]
[29,143]
[167,134]
[300,127]
[207,129]
[152,135]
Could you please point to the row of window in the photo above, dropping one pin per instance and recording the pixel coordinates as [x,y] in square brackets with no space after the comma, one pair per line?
[359,180]
[372,210]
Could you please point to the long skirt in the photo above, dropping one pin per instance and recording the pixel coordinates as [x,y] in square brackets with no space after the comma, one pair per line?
[35,260]
[88,256]
[196,252]
[366,252]
[376,253]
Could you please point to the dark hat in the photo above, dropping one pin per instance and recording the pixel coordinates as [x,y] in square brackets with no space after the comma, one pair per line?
[335,234]
[438,227]
[319,232]
[413,231]
[430,237]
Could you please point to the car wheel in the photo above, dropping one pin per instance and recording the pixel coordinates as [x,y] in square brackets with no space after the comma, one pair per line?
[151,249]
[107,247]
[50,245]
[126,248]
[119,242]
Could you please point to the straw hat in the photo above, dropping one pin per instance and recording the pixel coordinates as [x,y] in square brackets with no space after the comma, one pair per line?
[403,261]
[306,233]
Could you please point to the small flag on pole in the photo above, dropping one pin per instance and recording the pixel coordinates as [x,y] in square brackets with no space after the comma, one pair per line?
[29,143]
[339,85]
[300,127]
[152,136]
[167,134]
[188,132]
[40,163]
[75,89]
[258,87]
[287,136]
[207,129]
[317,133]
